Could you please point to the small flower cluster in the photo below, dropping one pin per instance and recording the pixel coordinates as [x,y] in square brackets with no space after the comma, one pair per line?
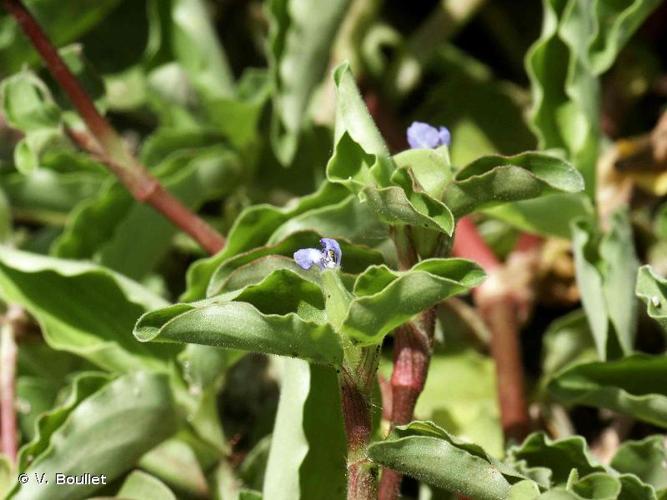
[424,136]
[329,257]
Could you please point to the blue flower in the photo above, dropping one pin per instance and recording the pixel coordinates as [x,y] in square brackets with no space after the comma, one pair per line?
[328,258]
[424,136]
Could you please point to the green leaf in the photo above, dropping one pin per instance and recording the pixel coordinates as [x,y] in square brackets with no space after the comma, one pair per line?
[346,219]
[492,180]
[63,22]
[109,227]
[377,311]
[300,40]
[141,486]
[524,490]
[646,459]
[370,175]
[240,325]
[558,457]
[404,203]
[632,385]
[428,453]
[253,228]
[7,478]
[83,308]
[549,216]
[597,485]
[105,434]
[652,290]
[238,116]
[174,462]
[308,447]
[606,268]
[198,50]
[245,494]
[35,396]
[632,488]
[356,258]
[361,162]
[578,43]
[568,340]
[352,117]
[27,103]
[83,385]
[49,195]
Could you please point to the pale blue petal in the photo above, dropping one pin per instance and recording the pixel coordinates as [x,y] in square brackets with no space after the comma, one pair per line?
[307,257]
[423,136]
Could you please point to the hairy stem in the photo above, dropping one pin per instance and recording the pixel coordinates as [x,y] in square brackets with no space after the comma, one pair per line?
[8,359]
[412,354]
[108,144]
[356,384]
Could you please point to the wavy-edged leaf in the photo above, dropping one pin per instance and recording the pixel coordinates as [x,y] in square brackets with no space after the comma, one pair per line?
[633,385]
[646,459]
[557,458]
[493,180]
[346,219]
[598,485]
[105,434]
[361,162]
[240,325]
[377,310]
[82,386]
[308,447]
[427,452]
[652,290]
[370,177]
[633,488]
[579,41]
[606,268]
[300,41]
[253,228]
[356,258]
[524,490]
[460,396]
[83,308]
[405,203]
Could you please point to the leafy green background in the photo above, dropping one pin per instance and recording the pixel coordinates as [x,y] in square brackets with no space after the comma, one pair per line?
[183,375]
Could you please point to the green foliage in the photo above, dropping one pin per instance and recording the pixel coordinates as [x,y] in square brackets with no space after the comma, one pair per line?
[425,451]
[136,409]
[606,267]
[140,485]
[538,468]
[308,444]
[578,43]
[232,376]
[632,385]
[83,308]
[300,42]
